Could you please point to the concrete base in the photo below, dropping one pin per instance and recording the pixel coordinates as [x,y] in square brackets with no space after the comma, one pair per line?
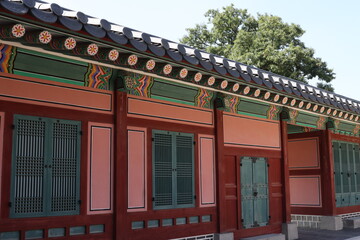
[224,236]
[331,223]
[267,237]
[290,231]
[353,222]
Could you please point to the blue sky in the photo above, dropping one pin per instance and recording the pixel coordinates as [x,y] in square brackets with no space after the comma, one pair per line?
[332,27]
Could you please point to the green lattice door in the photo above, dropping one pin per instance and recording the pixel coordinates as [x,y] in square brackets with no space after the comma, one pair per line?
[346,170]
[254,192]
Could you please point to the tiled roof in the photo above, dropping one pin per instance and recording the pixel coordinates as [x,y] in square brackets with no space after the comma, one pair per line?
[101,28]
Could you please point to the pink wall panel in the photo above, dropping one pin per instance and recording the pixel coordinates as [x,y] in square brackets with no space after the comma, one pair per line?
[303,153]
[251,132]
[207,170]
[50,93]
[1,147]
[150,108]
[305,191]
[100,168]
[136,169]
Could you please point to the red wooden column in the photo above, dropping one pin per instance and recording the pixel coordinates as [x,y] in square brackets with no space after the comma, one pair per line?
[220,166]
[286,174]
[327,175]
[120,165]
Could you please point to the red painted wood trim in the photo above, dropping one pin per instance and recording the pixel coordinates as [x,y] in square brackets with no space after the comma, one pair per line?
[305,172]
[220,187]
[327,167]
[6,168]
[171,213]
[308,210]
[276,191]
[252,152]
[238,188]
[350,209]
[2,119]
[149,171]
[344,138]
[13,76]
[305,135]
[120,166]
[83,168]
[285,171]
[49,93]
[169,126]
[196,172]
[10,107]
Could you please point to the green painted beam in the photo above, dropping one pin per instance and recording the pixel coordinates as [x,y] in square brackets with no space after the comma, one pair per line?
[173,91]
[26,62]
[253,108]
[51,78]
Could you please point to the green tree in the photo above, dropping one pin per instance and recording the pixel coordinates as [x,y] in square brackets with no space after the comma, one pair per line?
[264,41]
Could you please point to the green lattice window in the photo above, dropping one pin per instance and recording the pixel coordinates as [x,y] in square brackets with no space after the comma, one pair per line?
[45,167]
[173,170]
[347,173]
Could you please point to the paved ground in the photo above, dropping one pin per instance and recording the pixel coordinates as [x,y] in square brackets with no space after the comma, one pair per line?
[317,234]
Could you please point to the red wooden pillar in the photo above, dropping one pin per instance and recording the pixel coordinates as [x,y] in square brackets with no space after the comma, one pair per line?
[327,175]
[220,166]
[286,174]
[120,166]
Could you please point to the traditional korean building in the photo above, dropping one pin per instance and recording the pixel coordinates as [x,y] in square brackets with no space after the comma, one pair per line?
[110,133]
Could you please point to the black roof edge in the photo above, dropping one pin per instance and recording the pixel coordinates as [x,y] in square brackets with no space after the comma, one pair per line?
[52,12]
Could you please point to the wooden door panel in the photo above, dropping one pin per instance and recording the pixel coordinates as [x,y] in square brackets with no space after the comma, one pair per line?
[231,193]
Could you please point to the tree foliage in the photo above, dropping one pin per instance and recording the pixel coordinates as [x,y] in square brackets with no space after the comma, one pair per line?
[264,41]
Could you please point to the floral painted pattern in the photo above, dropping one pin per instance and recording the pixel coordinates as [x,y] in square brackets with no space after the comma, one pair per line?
[45,37]
[92,49]
[150,65]
[198,77]
[18,30]
[183,73]
[224,84]
[167,69]
[132,60]
[236,87]
[70,43]
[211,81]
[113,55]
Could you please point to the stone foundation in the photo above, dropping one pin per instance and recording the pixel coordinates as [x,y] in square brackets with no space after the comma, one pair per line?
[202,237]
[307,221]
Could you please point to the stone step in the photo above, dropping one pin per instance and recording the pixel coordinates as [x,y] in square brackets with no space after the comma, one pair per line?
[267,237]
[353,222]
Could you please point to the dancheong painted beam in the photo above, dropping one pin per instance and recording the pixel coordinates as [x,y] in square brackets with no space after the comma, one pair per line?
[107,132]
